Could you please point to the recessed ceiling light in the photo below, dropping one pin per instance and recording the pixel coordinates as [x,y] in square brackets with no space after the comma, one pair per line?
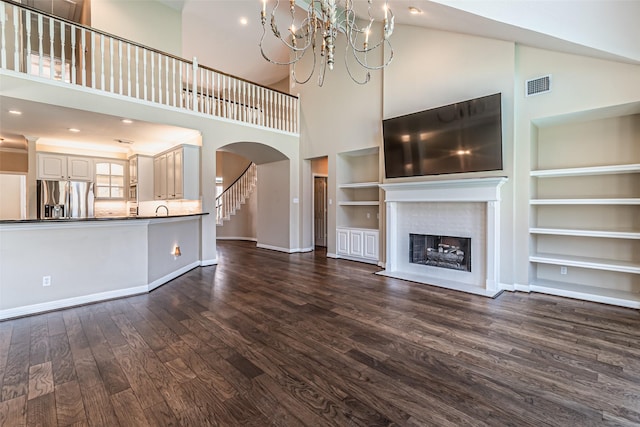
[74,130]
[414,10]
[244,21]
[16,112]
[127,121]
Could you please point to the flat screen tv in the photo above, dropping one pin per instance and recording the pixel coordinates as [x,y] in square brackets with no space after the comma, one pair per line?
[461,137]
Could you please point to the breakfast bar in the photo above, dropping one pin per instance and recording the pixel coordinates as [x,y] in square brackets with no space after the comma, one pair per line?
[52,264]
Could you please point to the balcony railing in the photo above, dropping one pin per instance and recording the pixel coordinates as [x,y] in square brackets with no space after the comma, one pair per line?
[45,46]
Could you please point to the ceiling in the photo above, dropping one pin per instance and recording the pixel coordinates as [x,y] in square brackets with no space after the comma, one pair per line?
[598,28]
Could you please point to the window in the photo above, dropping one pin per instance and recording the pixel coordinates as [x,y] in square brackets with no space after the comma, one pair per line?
[109,180]
[219,186]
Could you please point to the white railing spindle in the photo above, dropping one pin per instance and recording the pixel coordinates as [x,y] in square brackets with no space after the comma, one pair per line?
[52,36]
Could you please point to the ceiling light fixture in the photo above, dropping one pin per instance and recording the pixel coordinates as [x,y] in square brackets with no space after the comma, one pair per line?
[324,21]
[127,121]
[243,21]
[74,130]
[123,141]
[414,10]
[15,112]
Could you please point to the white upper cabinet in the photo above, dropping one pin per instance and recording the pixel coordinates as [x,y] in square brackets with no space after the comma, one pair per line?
[177,174]
[61,166]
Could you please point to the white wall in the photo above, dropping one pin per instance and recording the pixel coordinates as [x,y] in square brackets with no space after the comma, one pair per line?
[274,199]
[146,22]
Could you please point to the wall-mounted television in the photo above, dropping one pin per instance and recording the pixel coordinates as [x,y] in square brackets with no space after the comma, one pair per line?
[461,137]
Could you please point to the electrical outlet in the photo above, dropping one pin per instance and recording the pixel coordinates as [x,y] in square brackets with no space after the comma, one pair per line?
[368,215]
[563,270]
[46,280]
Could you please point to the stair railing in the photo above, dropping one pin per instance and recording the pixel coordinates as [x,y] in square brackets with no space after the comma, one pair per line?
[236,194]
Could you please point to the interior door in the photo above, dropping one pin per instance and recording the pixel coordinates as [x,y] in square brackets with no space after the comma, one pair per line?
[320,210]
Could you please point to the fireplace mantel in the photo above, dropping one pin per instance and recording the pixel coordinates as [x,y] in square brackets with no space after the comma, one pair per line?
[475,190]
[454,190]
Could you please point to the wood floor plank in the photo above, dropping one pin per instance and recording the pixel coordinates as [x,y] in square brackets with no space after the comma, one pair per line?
[128,409]
[268,338]
[13,412]
[40,380]
[69,405]
[41,411]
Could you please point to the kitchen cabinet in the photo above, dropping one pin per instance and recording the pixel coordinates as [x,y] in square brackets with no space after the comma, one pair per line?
[141,178]
[62,166]
[177,174]
[357,244]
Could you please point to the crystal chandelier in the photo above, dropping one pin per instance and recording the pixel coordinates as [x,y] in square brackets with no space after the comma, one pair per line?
[324,21]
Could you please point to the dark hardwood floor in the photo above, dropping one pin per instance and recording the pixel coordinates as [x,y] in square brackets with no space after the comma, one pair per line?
[267,338]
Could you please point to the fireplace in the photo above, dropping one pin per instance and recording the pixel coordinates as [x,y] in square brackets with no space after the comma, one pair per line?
[440,251]
[468,208]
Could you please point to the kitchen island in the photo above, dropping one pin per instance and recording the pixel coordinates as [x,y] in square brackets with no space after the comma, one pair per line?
[51,264]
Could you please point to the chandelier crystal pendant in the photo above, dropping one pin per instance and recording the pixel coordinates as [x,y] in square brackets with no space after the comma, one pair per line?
[325,20]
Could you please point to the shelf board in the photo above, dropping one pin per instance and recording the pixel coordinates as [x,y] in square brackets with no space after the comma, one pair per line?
[594,170]
[586,262]
[627,201]
[359,203]
[586,233]
[590,293]
[360,185]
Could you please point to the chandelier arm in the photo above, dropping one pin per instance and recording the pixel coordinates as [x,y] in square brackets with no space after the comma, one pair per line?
[376,67]
[313,68]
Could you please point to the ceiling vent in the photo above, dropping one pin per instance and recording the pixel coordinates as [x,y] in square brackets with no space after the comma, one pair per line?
[538,85]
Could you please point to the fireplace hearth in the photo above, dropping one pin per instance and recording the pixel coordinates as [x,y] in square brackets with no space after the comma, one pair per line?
[440,251]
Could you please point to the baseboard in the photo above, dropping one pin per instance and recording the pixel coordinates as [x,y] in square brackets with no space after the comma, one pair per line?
[309,249]
[208,262]
[330,255]
[277,248]
[246,239]
[521,288]
[506,287]
[179,272]
[71,302]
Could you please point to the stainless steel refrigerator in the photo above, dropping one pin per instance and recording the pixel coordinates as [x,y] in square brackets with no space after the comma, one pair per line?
[65,199]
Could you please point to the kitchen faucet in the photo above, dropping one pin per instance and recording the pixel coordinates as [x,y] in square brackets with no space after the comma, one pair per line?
[162,206]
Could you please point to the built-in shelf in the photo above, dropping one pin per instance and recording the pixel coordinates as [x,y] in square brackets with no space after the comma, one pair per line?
[586,262]
[586,233]
[627,201]
[359,203]
[360,185]
[584,200]
[588,293]
[594,170]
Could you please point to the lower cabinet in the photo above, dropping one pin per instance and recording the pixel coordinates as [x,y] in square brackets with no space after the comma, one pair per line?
[358,244]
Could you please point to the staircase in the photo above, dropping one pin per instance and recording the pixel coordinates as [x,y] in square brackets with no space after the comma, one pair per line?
[236,194]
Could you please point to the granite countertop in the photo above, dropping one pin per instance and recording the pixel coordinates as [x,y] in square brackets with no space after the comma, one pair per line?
[102,218]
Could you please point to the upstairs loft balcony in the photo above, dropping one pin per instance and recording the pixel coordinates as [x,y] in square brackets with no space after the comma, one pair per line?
[46,47]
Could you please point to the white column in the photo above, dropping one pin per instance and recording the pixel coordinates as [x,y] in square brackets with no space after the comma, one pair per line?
[493,246]
[392,236]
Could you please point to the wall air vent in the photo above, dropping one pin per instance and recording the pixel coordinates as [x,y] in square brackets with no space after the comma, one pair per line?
[538,85]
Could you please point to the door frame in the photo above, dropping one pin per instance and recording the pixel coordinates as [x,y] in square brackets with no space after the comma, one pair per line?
[313,209]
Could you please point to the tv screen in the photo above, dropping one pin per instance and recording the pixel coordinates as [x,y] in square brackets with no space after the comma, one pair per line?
[461,137]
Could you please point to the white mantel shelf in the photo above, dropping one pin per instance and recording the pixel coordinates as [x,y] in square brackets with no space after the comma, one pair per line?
[454,190]
[474,190]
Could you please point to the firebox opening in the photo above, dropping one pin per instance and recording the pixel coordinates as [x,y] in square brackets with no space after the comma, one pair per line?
[440,251]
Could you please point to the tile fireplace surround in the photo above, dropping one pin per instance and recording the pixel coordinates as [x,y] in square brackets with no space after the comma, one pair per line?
[460,207]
